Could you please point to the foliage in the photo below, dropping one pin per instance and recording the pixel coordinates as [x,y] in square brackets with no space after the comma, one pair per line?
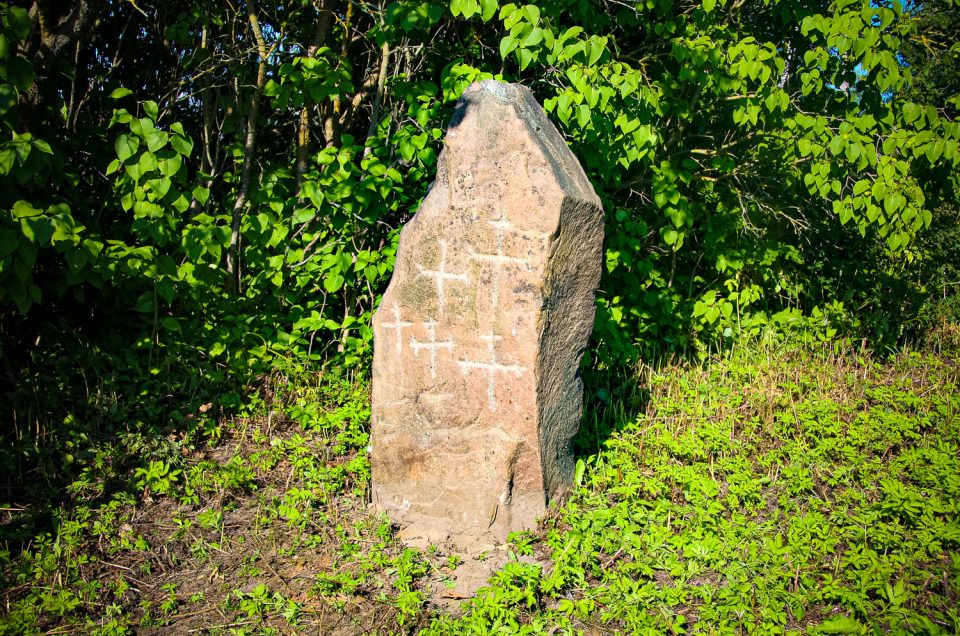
[768,490]
[749,157]
[198,199]
[755,159]
[276,487]
[762,166]
[931,52]
[195,195]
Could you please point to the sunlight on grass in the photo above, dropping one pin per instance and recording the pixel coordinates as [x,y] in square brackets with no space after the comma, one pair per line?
[759,492]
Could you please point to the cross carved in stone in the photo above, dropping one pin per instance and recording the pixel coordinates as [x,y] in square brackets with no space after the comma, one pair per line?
[491,367]
[502,225]
[432,345]
[440,276]
[397,324]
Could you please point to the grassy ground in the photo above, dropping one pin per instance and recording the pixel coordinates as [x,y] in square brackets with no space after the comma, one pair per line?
[763,492]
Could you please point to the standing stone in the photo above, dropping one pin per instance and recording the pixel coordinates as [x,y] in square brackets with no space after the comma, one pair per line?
[476,395]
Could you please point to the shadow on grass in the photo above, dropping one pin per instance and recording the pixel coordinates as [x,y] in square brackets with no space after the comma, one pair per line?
[613,398]
[80,413]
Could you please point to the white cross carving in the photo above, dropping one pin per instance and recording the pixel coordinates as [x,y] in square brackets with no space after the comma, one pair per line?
[491,368]
[441,275]
[500,259]
[431,345]
[397,324]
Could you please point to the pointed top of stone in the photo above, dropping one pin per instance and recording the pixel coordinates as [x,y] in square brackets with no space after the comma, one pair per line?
[490,104]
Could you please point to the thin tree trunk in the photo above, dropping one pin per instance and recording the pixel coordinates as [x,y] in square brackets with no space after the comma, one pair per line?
[249,148]
[378,96]
[59,34]
[206,157]
[205,95]
[331,124]
[303,132]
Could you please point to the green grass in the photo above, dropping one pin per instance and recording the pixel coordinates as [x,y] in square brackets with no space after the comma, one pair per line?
[760,492]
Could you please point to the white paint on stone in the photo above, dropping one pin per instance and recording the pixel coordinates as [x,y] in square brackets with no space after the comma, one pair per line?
[397,324]
[431,345]
[440,276]
[491,366]
[500,259]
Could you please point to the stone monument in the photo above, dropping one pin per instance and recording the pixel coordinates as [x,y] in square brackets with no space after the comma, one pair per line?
[477,342]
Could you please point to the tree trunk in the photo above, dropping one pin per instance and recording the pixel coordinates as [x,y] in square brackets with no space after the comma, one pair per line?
[381,87]
[59,35]
[249,148]
[303,132]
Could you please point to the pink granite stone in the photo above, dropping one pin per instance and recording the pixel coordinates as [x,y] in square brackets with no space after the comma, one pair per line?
[477,341]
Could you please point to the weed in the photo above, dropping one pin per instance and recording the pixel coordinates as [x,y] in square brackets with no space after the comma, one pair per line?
[764,491]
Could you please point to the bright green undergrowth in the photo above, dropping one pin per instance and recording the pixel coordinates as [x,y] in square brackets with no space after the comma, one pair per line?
[765,491]
[762,493]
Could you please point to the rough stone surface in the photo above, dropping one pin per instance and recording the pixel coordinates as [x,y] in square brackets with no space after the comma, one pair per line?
[478,338]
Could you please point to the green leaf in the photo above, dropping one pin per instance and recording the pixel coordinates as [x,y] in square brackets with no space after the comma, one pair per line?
[181,204]
[156,139]
[507,45]
[144,303]
[304,216]
[9,240]
[934,150]
[151,109]
[332,282]
[20,73]
[8,98]
[160,187]
[852,151]
[147,162]
[488,8]
[510,16]
[533,12]
[309,188]
[525,58]
[893,203]
[8,157]
[170,167]
[879,190]
[534,37]
[38,230]
[120,93]
[836,145]
[126,146]
[596,50]
[583,115]
[669,235]
[201,194]
[18,19]
[23,209]
[146,209]
[42,146]
[182,144]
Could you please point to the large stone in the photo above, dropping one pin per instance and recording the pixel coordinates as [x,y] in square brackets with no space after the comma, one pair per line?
[477,341]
